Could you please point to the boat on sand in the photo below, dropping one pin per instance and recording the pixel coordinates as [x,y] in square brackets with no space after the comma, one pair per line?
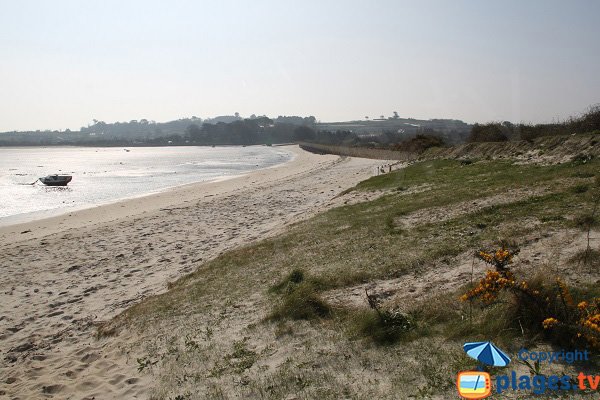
[56,180]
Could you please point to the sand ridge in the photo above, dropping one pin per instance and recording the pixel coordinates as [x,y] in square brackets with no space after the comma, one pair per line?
[71,272]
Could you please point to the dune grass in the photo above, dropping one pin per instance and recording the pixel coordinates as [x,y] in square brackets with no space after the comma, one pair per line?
[353,244]
[283,278]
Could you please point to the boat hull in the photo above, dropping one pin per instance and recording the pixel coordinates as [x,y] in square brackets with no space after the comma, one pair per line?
[56,180]
[55,183]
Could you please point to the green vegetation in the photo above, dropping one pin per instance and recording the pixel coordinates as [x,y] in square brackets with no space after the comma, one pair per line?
[353,244]
[384,326]
[223,130]
[302,303]
[291,294]
[540,304]
[241,358]
[419,143]
[502,132]
[300,299]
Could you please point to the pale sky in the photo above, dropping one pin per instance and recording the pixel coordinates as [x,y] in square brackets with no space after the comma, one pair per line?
[64,63]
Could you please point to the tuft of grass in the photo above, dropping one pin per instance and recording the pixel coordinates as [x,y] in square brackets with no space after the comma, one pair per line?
[241,358]
[392,228]
[552,218]
[283,329]
[582,158]
[288,283]
[580,188]
[583,174]
[384,329]
[585,221]
[383,326]
[587,257]
[302,302]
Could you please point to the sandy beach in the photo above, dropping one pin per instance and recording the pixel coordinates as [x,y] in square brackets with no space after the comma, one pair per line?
[64,275]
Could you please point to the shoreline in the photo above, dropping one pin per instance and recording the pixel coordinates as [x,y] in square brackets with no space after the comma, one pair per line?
[74,271]
[54,221]
[39,215]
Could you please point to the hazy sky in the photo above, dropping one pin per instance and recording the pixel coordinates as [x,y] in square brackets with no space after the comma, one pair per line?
[64,63]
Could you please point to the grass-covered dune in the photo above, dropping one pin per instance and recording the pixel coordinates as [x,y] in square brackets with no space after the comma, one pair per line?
[288,317]
[549,149]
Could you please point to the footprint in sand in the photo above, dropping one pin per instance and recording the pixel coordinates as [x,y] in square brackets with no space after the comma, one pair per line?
[116,379]
[89,358]
[52,389]
[70,374]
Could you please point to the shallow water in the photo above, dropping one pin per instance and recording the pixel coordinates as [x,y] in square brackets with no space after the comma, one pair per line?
[104,175]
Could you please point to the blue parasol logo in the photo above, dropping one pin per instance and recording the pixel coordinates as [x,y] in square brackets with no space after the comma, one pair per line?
[487,353]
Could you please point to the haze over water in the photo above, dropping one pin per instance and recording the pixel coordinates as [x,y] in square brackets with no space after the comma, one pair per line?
[104,175]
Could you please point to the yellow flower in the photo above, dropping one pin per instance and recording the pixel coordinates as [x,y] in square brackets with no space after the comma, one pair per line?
[549,322]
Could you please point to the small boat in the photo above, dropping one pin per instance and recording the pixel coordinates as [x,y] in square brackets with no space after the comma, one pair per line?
[56,180]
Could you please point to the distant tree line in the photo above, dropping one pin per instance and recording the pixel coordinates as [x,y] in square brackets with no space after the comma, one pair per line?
[507,131]
[393,133]
[260,130]
[416,141]
[230,130]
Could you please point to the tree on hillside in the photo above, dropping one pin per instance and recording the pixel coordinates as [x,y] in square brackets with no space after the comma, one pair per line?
[194,133]
[302,133]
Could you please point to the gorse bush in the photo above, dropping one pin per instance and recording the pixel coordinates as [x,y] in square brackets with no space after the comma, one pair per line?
[570,322]
[540,305]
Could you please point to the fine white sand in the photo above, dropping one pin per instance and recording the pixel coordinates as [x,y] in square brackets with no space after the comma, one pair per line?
[62,275]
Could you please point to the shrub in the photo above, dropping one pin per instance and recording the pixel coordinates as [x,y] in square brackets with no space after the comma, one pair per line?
[541,306]
[490,132]
[581,158]
[589,121]
[500,132]
[419,143]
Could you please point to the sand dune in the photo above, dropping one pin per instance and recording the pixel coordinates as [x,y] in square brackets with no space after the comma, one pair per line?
[65,274]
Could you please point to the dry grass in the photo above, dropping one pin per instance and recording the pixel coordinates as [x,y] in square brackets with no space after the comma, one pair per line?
[212,337]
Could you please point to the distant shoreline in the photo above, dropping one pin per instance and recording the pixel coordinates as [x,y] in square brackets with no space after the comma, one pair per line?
[49,222]
[65,274]
[139,145]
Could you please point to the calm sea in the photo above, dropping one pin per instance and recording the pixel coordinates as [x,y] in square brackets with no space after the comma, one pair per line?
[104,175]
